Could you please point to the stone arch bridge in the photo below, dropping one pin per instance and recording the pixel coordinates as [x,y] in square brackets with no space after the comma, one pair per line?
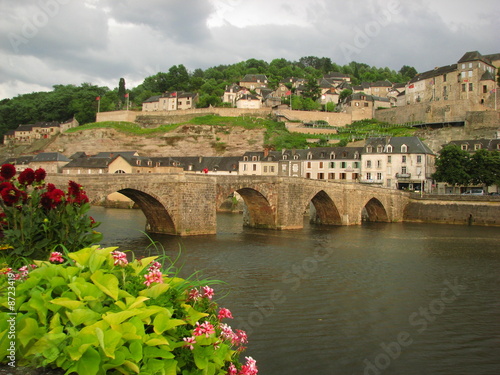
[186,204]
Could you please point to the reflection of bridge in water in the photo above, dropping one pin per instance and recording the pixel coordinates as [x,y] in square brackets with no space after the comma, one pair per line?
[186,204]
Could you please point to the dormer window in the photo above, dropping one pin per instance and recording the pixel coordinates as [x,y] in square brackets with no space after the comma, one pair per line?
[404,148]
[309,156]
[254,158]
[389,148]
[465,147]
[138,162]
[369,149]
[245,158]
[356,155]
[295,157]
[285,157]
[379,148]
[477,146]
[332,155]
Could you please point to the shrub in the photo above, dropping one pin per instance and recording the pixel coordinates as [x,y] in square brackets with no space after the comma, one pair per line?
[94,312]
[37,217]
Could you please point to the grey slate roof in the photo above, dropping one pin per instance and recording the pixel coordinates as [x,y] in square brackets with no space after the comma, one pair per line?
[414,144]
[474,56]
[50,156]
[487,144]
[434,73]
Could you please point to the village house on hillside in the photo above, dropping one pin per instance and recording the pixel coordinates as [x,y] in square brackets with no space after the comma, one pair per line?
[170,101]
[471,78]
[40,130]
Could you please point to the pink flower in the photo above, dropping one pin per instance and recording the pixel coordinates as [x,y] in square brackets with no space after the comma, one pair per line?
[232,369]
[189,342]
[56,257]
[153,277]
[208,292]
[227,333]
[154,266]
[206,328]
[120,258]
[250,367]
[194,295]
[224,313]
[241,337]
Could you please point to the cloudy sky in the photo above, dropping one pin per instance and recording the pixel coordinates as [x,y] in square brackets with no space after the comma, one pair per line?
[49,42]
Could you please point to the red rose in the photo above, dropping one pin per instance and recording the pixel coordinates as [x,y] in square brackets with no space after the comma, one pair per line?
[26,177]
[7,171]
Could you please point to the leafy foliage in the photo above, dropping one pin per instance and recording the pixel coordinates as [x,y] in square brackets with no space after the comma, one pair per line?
[93,312]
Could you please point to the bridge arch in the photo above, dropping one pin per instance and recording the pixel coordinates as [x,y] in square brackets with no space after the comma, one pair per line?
[158,219]
[374,210]
[260,212]
[325,211]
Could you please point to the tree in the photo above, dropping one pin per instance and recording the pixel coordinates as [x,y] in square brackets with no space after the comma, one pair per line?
[344,94]
[452,166]
[484,167]
[311,89]
[408,72]
[122,90]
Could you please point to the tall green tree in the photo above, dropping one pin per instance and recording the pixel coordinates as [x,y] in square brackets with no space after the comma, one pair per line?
[484,167]
[121,90]
[452,166]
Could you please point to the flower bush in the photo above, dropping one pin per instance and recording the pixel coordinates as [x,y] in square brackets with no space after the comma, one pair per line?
[37,217]
[94,312]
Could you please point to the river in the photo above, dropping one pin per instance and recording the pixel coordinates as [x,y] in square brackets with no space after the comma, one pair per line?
[380,298]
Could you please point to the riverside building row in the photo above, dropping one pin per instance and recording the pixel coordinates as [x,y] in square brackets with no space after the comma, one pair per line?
[389,162]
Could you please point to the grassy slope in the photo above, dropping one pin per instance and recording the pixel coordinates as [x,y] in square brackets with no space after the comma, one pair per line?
[277,136]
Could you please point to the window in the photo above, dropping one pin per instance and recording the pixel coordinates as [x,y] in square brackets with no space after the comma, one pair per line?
[356,164]
[477,146]
[308,164]
[403,159]
[343,165]
[245,158]
[332,155]
[321,176]
[368,164]
[471,87]
[404,148]
[356,155]
[469,73]
[379,176]
[464,87]
[271,169]
[308,175]
[309,156]
[254,167]
[254,158]
[368,176]
[419,159]
[389,149]
[444,77]
[485,89]
[331,176]
[470,65]
[366,104]
[379,163]
[332,164]
[379,148]
[244,167]
[321,164]
[403,170]
[265,169]
[389,159]
[343,176]
[369,149]
[464,147]
[285,157]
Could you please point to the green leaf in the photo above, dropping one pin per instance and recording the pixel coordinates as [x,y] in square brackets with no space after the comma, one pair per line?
[28,330]
[192,316]
[68,303]
[89,363]
[200,357]
[82,316]
[155,290]
[135,348]
[158,352]
[163,323]
[108,283]
[119,317]
[108,340]
[156,341]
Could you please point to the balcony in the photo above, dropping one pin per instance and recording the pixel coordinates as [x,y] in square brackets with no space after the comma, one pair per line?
[365,181]
[403,175]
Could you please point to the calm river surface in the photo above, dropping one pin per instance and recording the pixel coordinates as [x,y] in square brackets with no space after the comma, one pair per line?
[372,299]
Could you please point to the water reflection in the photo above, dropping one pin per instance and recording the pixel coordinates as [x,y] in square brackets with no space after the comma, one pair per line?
[329,300]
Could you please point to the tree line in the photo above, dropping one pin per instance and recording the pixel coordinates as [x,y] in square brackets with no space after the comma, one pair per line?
[66,101]
[459,167]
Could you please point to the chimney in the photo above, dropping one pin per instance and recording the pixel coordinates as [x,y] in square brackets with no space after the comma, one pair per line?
[266,152]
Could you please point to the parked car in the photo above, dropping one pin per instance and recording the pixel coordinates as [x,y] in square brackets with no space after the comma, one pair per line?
[474,192]
[494,193]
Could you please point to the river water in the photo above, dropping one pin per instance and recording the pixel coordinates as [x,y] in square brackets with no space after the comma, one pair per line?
[395,298]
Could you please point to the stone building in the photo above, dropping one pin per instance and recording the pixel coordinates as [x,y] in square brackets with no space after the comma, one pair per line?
[404,163]
[40,130]
[170,101]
